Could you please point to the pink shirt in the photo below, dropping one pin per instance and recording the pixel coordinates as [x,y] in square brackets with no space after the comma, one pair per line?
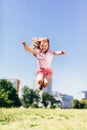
[44,59]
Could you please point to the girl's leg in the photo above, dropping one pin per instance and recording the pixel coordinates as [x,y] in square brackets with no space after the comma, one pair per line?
[39,78]
[47,79]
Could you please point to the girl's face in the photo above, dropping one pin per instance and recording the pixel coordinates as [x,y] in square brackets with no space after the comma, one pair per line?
[44,46]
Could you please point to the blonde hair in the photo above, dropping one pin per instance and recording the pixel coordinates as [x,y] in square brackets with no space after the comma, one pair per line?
[37,41]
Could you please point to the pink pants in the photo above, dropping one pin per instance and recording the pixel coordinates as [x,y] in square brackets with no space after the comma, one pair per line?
[45,72]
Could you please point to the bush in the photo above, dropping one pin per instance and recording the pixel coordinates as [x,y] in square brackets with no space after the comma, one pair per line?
[34,105]
[26,105]
[52,106]
[76,104]
[85,106]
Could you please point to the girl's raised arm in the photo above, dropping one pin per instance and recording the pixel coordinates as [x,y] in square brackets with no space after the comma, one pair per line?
[28,49]
[59,53]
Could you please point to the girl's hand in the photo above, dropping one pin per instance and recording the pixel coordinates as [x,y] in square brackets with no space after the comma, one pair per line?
[24,43]
[63,52]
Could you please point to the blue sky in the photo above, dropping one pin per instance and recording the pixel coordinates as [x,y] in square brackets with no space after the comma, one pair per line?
[64,22]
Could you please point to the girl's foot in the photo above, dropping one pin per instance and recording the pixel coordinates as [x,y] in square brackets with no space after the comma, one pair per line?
[41,87]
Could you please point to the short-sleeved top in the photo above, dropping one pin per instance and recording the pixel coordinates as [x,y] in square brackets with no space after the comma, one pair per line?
[44,59]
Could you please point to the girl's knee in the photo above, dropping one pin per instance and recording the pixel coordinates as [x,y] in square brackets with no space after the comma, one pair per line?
[46,84]
[39,79]
[40,82]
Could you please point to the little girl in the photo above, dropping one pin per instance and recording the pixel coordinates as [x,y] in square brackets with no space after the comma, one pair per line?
[40,49]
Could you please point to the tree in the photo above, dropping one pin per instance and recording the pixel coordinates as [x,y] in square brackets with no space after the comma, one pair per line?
[46,98]
[85,106]
[79,104]
[29,96]
[83,103]
[8,95]
[76,104]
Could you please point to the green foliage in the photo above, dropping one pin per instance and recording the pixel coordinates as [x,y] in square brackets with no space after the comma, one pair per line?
[79,104]
[34,105]
[76,104]
[29,96]
[46,98]
[8,95]
[85,106]
[84,100]
[26,105]
[83,103]
[52,106]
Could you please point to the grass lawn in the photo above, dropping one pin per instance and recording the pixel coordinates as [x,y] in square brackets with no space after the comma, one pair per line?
[43,119]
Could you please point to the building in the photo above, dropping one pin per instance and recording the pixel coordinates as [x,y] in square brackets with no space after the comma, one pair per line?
[16,83]
[63,100]
[66,101]
[82,94]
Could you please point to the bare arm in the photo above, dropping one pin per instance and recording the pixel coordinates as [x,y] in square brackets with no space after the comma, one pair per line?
[39,39]
[29,49]
[59,53]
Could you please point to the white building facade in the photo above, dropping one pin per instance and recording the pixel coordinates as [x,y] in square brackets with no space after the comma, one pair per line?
[15,83]
[82,95]
[63,100]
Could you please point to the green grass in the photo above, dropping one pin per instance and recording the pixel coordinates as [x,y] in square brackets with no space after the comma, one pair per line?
[42,119]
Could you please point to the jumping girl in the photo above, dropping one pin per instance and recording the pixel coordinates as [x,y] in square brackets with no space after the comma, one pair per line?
[40,49]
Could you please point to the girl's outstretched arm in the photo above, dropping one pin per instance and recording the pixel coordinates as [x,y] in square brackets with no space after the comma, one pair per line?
[39,39]
[59,52]
[28,49]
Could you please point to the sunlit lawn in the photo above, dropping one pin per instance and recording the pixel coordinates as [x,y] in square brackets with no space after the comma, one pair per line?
[42,119]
